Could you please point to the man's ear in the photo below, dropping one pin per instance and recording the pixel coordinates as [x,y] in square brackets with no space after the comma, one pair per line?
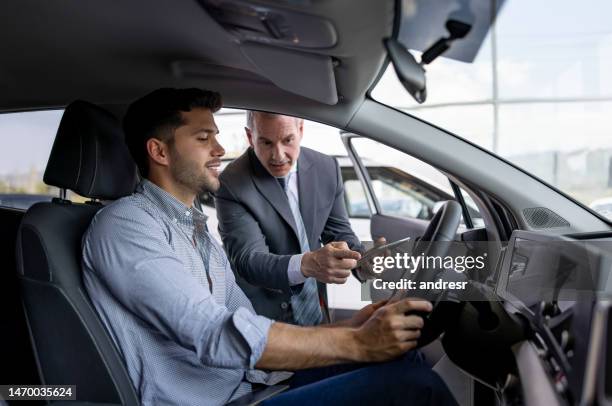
[300,127]
[157,150]
[249,135]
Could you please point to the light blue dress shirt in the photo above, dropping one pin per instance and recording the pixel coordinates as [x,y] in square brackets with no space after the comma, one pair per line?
[187,332]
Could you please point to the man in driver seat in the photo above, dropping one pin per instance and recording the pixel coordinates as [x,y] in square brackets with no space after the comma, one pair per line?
[188,334]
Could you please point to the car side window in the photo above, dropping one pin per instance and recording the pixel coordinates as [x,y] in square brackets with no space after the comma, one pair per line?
[474,212]
[27,138]
[317,136]
[354,194]
[406,187]
[403,195]
[397,202]
[402,185]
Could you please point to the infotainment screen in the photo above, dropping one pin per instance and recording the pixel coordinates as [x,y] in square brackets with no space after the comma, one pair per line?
[558,283]
[546,268]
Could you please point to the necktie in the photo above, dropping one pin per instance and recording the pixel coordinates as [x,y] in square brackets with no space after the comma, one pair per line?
[305,305]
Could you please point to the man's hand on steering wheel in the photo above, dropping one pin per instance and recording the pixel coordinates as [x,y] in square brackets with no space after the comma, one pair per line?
[435,242]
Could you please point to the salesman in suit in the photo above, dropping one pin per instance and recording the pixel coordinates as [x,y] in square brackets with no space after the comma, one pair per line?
[283,221]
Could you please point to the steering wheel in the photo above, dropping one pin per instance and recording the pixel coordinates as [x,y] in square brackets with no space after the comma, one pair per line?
[435,242]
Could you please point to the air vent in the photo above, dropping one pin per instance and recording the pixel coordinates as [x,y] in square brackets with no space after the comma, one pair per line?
[541,218]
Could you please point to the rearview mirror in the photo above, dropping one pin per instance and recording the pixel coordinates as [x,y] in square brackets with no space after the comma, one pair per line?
[410,73]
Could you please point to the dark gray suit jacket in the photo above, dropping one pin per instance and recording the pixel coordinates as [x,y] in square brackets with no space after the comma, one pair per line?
[258,230]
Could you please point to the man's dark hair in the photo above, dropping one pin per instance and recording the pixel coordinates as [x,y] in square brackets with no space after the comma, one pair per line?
[158,114]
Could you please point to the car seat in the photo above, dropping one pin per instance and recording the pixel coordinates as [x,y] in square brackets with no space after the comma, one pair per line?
[70,343]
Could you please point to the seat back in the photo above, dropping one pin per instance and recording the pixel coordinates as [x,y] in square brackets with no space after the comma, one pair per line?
[18,364]
[71,345]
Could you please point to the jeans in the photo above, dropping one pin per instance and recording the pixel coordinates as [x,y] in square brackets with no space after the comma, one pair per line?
[404,381]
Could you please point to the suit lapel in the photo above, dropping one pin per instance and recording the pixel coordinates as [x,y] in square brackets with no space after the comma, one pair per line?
[307,186]
[271,190]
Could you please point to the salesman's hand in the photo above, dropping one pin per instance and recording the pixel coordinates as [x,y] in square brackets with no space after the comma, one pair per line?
[390,332]
[331,263]
[364,271]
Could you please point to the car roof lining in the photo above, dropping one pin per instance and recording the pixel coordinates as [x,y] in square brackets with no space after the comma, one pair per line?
[114,52]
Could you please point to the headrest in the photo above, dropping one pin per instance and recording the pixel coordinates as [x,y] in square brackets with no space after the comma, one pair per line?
[89,155]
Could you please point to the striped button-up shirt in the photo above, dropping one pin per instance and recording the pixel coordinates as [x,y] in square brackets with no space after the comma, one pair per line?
[165,291]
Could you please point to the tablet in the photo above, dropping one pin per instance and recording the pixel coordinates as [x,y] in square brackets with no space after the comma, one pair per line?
[385,250]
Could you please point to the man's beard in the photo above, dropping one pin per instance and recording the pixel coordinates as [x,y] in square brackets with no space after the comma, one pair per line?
[191,174]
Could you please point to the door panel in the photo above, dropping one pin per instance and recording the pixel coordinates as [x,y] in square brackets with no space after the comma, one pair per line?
[395,228]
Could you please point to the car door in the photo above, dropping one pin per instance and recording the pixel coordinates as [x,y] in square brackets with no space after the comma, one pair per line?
[400,204]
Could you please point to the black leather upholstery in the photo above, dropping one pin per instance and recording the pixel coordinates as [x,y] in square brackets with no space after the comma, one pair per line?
[18,363]
[70,343]
[88,155]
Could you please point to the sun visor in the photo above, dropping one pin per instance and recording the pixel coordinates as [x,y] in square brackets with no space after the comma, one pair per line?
[305,74]
[273,25]
[423,22]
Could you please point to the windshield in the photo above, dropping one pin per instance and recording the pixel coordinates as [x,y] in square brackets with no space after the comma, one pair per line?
[539,94]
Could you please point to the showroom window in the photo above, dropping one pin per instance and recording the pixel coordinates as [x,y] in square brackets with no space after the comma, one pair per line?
[539,94]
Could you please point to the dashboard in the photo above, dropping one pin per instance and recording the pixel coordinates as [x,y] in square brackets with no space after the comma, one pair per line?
[561,287]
